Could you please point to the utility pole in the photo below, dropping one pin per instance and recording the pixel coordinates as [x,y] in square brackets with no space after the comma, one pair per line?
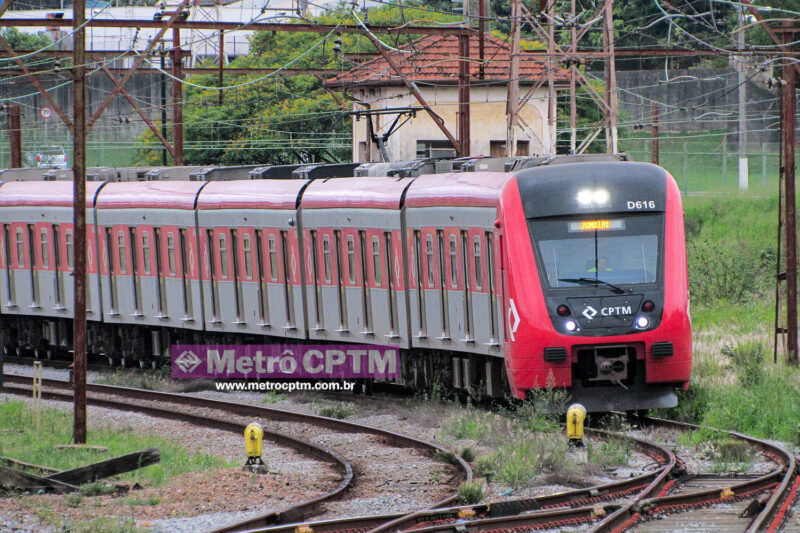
[79,216]
[221,65]
[654,134]
[163,80]
[177,98]
[612,144]
[551,65]
[15,136]
[740,67]
[790,217]
[464,66]
[481,36]
[512,101]
[573,105]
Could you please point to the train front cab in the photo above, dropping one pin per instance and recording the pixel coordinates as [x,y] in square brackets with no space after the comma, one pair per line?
[618,222]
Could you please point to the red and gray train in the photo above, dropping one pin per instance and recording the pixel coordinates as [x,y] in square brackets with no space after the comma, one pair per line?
[567,274]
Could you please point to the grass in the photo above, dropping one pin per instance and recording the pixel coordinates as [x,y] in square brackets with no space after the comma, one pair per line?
[471,492]
[158,380]
[38,447]
[337,410]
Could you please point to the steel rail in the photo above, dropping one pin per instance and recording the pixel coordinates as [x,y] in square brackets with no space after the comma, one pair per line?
[296,511]
[394,438]
[540,510]
[780,479]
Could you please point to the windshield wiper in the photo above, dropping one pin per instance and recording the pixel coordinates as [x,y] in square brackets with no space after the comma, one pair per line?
[593,281]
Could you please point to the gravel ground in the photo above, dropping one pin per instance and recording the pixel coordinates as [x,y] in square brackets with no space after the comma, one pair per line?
[230,494]
[409,480]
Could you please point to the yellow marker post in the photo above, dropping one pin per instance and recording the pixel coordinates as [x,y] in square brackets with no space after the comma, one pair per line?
[253,439]
[37,393]
[576,414]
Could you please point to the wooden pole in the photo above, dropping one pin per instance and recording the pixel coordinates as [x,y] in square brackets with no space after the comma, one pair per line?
[654,139]
[79,215]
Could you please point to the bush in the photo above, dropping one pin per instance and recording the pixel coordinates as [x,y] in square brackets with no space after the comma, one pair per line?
[470,492]
[97,488]
[485,466]
[747,360]
[468,454]
[74,499]
[338,410]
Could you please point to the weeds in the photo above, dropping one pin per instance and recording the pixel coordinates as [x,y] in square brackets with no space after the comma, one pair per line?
[468,454]
[35,447]
[74,499]
[98,488]
[337,410]
[609,453]
[471,492]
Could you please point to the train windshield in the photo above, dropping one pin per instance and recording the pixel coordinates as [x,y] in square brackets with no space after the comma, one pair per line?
[609,251]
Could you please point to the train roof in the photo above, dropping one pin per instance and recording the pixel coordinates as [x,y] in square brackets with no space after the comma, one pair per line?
[149,195]
[374,193]
[251,194]
[466,189]
[44,193]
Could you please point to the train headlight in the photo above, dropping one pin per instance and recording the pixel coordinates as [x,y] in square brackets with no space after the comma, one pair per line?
[642,322]
[585,197]
[598,197]
[570,326]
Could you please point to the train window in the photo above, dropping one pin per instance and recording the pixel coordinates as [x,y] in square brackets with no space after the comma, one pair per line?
[70,246]
[429,255]
[326,256]
[376,260]
[248,256]
[223,256]
[171,253]
[45,249]
[627,254]
[351,258]
[146,251]
[123,264]
[20,248]
[273,259]
[453,262]
[478,264]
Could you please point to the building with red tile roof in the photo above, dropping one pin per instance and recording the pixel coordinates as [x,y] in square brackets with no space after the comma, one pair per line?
[432,63]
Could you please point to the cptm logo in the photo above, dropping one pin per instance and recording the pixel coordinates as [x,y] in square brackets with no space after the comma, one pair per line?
[187,361]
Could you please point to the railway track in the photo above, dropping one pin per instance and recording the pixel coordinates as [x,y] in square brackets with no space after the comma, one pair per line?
[164,405]
[664,499]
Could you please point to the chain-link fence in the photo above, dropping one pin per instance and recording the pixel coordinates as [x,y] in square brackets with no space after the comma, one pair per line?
[712,168]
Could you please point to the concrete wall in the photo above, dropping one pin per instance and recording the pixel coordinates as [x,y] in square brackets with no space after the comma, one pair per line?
[487,117]
[699,100]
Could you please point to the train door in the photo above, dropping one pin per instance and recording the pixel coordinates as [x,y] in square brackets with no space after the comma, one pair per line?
[443,298]
[237,284]
[135,274]
[34,274]
[58,266]
[10,283]
[467,287]
[390,283]
[418,264]
[491,285]
[366,302]
[112,278]
[287,281]
[188,304]
[263,295]
[343,326]
[318,311]
[161,297]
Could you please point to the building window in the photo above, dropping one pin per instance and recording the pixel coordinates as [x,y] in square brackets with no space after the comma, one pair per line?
[438,149]
[498,148]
